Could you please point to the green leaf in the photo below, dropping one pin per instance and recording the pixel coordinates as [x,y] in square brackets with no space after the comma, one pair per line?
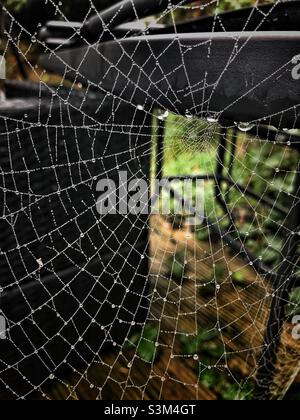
[203,234]
[238,278]
[177,266]
[193,344]
[210,378]
[147,350]
[145,343]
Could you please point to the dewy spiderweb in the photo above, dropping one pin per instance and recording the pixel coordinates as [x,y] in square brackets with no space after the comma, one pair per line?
[84,317]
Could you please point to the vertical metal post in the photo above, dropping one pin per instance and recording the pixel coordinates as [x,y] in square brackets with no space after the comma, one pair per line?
[159,156]
[232,151]
[220,168]
[159,163]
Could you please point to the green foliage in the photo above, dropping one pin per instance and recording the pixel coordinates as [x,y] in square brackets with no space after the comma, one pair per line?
[184,155]
[263,167]
[145,343]
[15,5]
[238,278]
[192,344]
[178,266]
[225,386]
[294,303]
[268,247]
[232,392]
[209,378]
[202,233]
[225,5]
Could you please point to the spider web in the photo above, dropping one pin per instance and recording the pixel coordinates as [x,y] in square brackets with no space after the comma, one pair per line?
[84,319]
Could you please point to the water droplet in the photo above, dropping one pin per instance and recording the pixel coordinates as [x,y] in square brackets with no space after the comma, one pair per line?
[163,116]
[140,108]
[40,263]
[188,114]
[196,357]
[213,118]
[244,126]
[33,39]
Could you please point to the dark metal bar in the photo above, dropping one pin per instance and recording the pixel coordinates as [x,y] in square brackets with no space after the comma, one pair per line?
[124,11]
[158,158]
[231,98]
[232,152]
[160,149]
[219,170]
[284,17]
[280,137]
